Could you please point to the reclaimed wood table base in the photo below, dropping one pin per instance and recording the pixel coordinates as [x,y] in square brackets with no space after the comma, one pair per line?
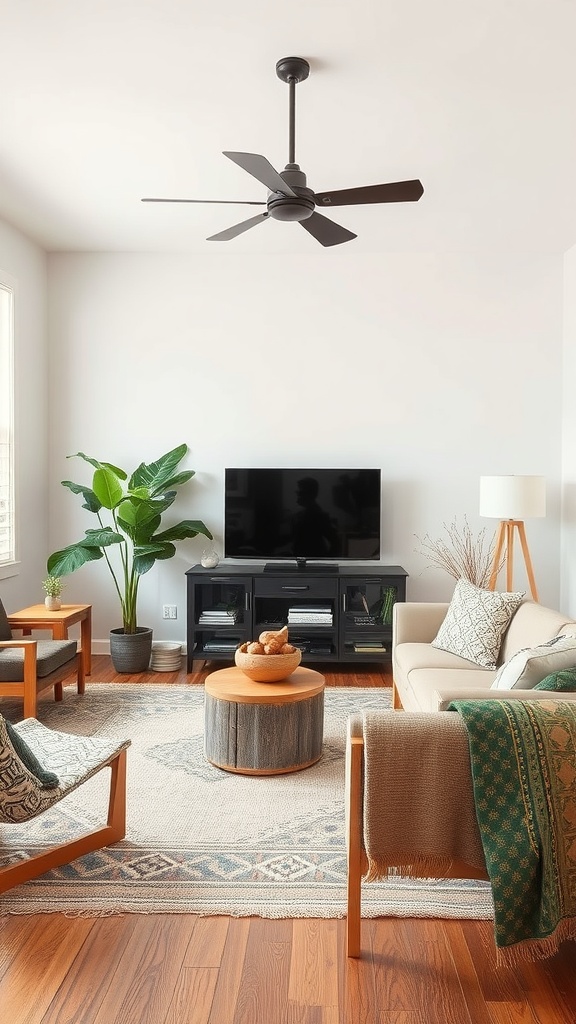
[264,728]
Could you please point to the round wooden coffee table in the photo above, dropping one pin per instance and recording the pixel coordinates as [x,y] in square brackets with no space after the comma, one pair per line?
[263,728]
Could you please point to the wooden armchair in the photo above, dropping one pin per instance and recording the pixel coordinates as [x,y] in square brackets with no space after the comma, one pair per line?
[409,803]
[27,667]
[30,753]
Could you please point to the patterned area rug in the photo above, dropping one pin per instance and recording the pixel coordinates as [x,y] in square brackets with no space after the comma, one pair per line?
[204,841]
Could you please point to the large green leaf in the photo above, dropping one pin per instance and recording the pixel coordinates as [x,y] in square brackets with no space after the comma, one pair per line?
[136,512]
[140,533]
[107,487]
[146,554]
[155,475]
[62,563]
[102,537]
[181,531]
[120,473]
[174,481]
[91,502]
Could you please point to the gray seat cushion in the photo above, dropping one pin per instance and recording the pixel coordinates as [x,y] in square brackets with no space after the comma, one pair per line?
[50,655]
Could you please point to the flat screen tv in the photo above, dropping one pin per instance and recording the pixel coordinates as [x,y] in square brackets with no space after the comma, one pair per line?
[302,514]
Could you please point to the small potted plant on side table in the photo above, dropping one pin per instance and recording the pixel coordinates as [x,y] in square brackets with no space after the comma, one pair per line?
[53,588]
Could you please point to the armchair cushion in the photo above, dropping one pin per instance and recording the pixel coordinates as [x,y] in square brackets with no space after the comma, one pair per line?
[50,655]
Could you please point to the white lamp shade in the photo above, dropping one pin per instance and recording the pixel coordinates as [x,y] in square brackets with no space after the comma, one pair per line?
[513,497]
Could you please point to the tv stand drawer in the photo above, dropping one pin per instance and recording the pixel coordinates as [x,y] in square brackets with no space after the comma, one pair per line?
[295,588]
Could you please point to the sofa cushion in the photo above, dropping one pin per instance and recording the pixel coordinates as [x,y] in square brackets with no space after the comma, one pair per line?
[562,682]
[418,691]
[533,624]
[409,656]
[475,623]
[528,667]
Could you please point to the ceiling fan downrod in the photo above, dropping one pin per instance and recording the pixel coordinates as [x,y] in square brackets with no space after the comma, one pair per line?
[292,70]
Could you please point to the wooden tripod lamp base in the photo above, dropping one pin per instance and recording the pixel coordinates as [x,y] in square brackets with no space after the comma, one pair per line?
[505,542]
[512,499]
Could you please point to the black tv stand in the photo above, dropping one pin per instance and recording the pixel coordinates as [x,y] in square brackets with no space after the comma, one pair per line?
[302,565]
[334,613]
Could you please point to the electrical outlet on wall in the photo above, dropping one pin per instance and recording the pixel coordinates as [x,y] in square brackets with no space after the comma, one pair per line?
[169,611]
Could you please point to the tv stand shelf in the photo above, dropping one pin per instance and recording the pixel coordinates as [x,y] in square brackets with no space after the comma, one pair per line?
[339,613]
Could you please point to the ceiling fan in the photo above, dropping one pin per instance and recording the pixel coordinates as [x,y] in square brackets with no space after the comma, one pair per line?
[289,198]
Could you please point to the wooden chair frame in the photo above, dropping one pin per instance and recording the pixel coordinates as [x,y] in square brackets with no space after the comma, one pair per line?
[356,857]
[64,853]
[32,685]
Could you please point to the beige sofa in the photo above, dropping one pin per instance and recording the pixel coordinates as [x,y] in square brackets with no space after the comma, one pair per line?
[427,679]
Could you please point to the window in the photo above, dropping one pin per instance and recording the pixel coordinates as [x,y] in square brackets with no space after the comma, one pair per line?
[7,519]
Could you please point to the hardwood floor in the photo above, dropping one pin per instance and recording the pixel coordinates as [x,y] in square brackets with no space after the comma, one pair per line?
[183,969]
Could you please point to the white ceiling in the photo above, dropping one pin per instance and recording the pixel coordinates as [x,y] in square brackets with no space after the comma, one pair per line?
[103,102]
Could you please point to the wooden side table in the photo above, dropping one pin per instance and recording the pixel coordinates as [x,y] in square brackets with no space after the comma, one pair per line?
[264,728]
[37,616]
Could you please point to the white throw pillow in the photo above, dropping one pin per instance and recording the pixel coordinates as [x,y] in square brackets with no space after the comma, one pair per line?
[475,623]
[530,666]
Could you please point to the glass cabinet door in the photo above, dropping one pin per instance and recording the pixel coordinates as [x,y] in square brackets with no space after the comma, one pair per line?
[220,610]
[366,616]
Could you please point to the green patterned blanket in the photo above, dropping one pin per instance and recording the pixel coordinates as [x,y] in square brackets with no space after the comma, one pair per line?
[523,756]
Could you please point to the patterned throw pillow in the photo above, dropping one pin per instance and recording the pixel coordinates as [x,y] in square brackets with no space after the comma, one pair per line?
[528,667]
[565,680]
[48,780]
[475,623]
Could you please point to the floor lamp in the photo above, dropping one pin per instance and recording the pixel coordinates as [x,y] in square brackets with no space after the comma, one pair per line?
[512,499]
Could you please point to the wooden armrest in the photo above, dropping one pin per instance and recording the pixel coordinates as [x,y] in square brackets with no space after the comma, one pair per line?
[18,643]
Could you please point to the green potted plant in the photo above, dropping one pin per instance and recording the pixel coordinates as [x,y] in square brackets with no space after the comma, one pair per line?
[128,536]
[53,587]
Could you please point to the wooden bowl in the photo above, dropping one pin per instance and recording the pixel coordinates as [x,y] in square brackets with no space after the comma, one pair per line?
[267,668]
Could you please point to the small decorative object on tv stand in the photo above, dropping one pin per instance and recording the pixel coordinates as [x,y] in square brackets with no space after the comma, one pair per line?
[343,615]
[210,558]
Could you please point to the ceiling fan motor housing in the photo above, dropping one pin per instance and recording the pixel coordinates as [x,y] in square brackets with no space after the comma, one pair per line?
[288,207]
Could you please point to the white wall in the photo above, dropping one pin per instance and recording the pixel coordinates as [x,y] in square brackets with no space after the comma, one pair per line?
[437,368]
[568,544]
[25,263]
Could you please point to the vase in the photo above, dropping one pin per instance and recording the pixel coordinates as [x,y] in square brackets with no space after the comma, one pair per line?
[210,558]
[130,652]
[53,603]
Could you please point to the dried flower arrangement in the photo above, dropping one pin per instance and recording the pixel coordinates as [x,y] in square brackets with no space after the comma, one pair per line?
[461,554]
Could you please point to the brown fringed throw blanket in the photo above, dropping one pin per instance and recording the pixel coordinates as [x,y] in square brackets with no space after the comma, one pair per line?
[418,802]
[523,756]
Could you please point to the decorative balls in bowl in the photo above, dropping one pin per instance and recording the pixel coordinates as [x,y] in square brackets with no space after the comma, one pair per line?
[268,659]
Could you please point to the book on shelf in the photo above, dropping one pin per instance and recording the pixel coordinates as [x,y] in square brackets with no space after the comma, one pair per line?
[326,609]
[221,646]
[322,619]
[361,648]
[219,616]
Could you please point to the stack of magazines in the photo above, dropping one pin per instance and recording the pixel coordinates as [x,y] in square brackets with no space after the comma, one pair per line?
[313,615]
[221,645]
[219,616]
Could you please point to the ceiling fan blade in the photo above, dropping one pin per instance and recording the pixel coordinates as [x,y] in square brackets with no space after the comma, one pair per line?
[326,231]
[227,202]
[261,168]
[238,229]
[392,192]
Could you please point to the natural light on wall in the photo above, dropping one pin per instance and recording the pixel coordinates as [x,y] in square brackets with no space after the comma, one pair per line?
[7,531]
